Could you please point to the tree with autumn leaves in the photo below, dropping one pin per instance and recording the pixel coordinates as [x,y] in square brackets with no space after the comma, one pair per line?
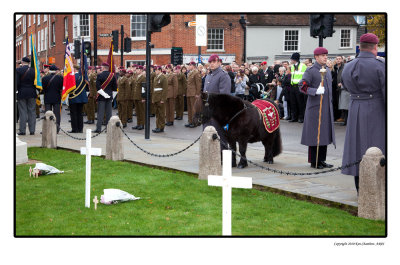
[377,24]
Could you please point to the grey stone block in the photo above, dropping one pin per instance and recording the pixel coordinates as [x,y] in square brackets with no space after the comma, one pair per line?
[210,154]
[114,147]
[49,130]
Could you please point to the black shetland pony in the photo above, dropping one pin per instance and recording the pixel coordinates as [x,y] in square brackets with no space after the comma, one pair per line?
[244,121]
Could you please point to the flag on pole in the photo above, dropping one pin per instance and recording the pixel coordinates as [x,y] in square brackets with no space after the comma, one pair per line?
[69,75]
[35,65]
[110,59]
[84,65]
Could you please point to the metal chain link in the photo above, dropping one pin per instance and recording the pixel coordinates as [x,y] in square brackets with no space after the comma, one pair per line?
[158,155]
[77,138]
[288,172]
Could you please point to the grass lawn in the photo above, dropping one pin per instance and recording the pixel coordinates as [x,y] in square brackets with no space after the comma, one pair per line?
[171,204]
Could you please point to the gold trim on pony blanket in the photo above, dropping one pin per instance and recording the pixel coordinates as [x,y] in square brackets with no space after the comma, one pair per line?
[269,113]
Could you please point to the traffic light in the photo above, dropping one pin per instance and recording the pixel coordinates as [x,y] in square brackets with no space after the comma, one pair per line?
[316,25]
[115,40]
[127,44]
[77,49]
[88,48]
[176,55]
[327,25]
[158,21]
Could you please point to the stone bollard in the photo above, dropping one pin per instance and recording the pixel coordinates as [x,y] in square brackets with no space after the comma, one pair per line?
[371,199]
[49,130]
[210,154]
[114,147]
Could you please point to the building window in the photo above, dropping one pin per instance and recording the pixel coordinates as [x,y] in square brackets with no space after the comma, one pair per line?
[44,18]
[345,38]
[34,19]
[46,40]
[291,40]
[38,42]
[53,33]
[29,44]
[29,20]
[215,40]
[65,27]
[24,24]
[84,25]
[38,19]
[24,49]
[138,26]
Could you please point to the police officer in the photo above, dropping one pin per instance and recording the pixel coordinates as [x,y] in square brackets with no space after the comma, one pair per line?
[171,95]
[26,94]
[160,90]
[91,105]
[296,98]
[311,86]
[76,99]
[138,90]
[364,78]
[52,88]
[105,81]
[193,91]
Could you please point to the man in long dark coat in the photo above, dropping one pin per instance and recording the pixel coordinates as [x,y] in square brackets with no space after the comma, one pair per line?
[311,86]
[364,78]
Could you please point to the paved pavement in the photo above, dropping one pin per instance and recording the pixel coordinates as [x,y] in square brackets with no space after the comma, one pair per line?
[330,188]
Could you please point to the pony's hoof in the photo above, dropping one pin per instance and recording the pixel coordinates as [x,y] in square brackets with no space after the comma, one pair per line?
[233,165]
[269,161]
[241,166]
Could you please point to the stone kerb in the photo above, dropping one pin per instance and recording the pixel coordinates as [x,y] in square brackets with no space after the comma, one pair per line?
[210,154]
[371,199]
[114,147]
[49,130]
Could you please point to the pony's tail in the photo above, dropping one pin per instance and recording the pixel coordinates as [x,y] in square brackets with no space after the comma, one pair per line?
[277,146]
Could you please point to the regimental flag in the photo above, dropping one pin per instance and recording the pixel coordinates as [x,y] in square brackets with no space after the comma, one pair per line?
[35,65]
[69,75]
[110,59]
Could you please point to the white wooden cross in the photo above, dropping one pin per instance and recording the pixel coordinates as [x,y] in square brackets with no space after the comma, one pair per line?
[89,152]
[227,182]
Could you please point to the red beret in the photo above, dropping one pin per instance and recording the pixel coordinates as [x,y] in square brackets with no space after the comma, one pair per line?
[213,57]
[90,67]
[192,63]
[168,66]
[129,72]
[264,63]
[140,67]
[122,70]
[369,38]
[178,67]
[157,68]
[46,66]
[320,50]
[105,64]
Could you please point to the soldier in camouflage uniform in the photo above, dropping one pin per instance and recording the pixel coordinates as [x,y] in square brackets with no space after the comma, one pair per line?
[160,89]
[137,98]
[91,105]
[182,85]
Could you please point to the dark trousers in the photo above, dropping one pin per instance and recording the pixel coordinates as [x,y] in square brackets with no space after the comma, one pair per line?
[76,116]
[55,108]
[297,102]
[312,154]
[103,107]
[26,112]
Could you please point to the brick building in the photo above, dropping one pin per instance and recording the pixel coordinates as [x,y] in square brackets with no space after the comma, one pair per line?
[225,37]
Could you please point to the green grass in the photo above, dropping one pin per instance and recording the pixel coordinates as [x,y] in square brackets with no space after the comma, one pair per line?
[171,204]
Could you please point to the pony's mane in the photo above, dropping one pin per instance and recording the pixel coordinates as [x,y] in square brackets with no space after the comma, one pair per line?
[224,106]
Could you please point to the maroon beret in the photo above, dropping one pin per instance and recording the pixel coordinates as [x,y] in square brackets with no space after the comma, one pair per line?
[369,38]
[129,72]
[46,66]
[157,68]
[320,50]
[263,63]
[140,67]
[105,64]
[192,63]
[213,57]
[178,67]
[90,67]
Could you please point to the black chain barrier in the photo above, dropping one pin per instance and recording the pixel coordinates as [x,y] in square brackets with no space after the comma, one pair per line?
[158,155]
[74,137]
[282,171]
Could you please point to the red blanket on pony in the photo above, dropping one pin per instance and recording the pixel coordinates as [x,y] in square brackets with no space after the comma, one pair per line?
[269,113]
